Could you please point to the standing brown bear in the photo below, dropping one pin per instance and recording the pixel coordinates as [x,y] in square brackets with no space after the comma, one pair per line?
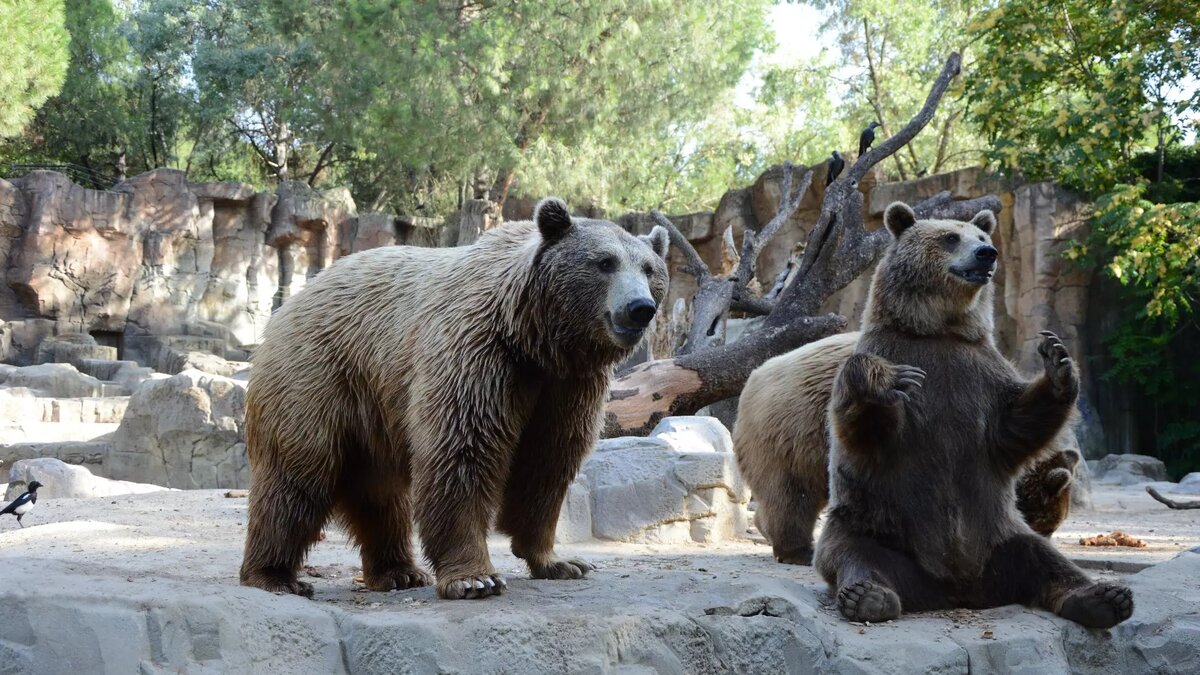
[930,425]
[442,387]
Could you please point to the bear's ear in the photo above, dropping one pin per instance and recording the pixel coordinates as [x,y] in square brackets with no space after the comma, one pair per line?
[552,218]
[898,217]
[985,220]
[659,241]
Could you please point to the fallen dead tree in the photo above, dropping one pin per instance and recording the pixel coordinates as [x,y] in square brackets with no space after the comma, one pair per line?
[839,248]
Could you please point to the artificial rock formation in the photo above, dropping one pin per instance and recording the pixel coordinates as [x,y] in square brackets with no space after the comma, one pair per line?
[161,263]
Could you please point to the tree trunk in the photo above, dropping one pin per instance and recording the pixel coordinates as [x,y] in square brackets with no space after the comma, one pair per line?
[477,216]
[281,150]
[838,250]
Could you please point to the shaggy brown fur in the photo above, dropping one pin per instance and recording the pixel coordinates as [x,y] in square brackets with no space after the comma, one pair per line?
[1044,492]
[782,443]
[930,425]
[441,387]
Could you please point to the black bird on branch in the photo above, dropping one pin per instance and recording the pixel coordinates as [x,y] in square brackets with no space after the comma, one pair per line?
[23,504]
[836,164]
[866,138]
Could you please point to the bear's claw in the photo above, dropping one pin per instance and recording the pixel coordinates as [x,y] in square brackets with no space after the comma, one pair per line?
[1059,366]
[472,588]
[1101,605]
[401,578]
[294,586]
[906,379]
[562,569]
[868,601]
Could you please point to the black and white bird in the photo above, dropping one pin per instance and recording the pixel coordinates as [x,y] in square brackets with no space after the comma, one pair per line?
[836,164]
[866,138]
[24,504]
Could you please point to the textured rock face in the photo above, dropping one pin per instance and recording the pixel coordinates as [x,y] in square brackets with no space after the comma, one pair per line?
[158,257]
[183,432]
[147,585]
[679,484]
[1128,470]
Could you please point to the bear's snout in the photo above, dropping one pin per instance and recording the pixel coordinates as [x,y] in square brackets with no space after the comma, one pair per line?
[641,311]
[986,254]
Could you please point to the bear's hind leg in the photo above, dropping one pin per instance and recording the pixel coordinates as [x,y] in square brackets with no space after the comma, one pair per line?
[788,507]
[1028,570]
[377,510]
[876,584]
[286,517]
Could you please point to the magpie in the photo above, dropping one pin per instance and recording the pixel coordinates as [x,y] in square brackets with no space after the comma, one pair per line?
[836,164]
[23,504]
[866,138]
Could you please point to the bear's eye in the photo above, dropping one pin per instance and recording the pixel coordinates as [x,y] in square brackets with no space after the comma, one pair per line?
[608,264]
[648,269]
[951,239]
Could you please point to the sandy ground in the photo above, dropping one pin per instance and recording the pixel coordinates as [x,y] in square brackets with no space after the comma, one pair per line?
[154,547]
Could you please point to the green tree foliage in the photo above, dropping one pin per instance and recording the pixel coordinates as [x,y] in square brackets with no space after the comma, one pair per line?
[34,57]
[542,94]
[1153,251]
[1094,95]
[890,51]
[1072,89]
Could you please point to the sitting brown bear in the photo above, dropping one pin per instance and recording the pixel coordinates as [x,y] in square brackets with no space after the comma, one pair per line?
[782,443]
[930,426]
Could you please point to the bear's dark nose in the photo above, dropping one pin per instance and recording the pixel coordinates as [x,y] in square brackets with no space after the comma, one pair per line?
[986,254]
[641,311]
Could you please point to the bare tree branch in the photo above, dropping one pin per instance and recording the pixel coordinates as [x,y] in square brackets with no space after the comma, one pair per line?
[1171,503]
[804,298]
[839,248]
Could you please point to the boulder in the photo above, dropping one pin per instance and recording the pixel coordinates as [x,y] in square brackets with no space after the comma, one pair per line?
[680,484]
[58,380]
[699,434]
[1128,470]
[184,432]
[1190,484]
[61,480]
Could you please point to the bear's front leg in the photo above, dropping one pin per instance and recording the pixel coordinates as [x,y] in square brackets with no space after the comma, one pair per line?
[1043,407]
[560,433]
[869,399]
[460,459]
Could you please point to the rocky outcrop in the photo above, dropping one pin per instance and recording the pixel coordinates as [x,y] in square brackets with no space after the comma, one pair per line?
[148,585]
[183,432]
[159,258]
[61,480]
[1128,470]
[679,484]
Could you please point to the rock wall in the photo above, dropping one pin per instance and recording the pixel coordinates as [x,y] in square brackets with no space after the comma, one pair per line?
[159,261]
[1035,288]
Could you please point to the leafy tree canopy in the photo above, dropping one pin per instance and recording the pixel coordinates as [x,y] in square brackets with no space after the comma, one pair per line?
[34,54]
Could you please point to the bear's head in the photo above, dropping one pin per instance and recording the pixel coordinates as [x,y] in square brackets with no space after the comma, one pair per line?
[599,285]
[935,277]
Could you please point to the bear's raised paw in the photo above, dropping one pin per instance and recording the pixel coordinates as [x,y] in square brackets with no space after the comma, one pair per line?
[905,380]
[868,601]
[1059,366]
[1101,605]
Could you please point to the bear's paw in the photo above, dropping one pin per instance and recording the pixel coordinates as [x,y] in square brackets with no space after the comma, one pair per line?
[471,587]
[1101,605]
[868,601]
